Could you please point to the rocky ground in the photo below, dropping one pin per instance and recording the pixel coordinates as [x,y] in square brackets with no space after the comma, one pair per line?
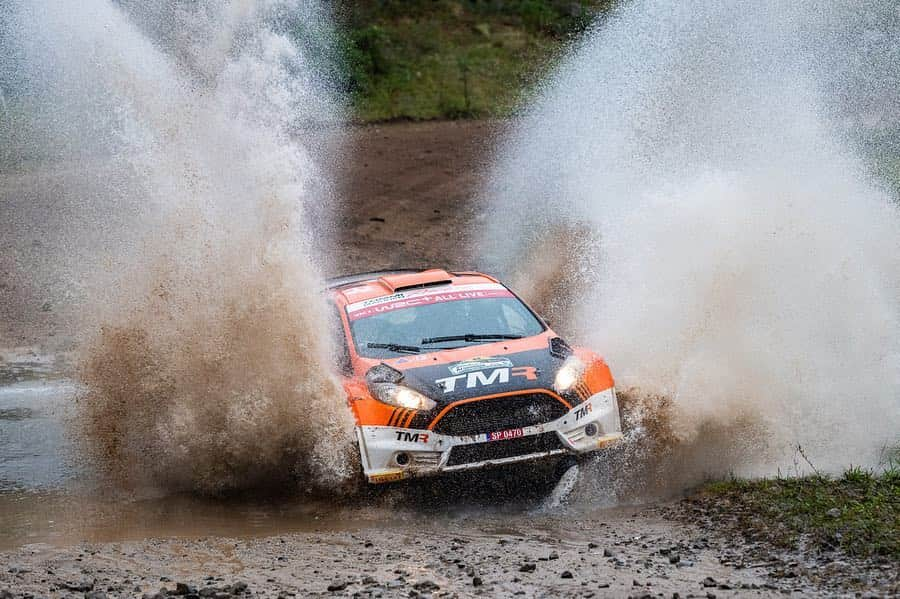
[615,553]
[742,529]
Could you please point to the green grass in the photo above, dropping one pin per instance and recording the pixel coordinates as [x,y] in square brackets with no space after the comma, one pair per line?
[442,59]
[858,513]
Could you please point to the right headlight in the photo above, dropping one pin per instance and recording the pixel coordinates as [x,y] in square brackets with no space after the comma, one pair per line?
[569,374]
[401,396]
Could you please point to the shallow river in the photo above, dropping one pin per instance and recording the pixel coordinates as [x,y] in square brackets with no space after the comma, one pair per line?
[46,496]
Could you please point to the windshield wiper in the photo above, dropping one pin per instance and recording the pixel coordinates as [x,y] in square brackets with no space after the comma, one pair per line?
[470,337]
[410,349]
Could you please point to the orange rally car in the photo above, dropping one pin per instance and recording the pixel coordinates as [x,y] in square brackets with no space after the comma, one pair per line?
[452,371]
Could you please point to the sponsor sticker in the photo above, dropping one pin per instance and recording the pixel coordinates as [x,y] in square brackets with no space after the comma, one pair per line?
[409,437]
[583,411]
[479,364]
[423,297]
[484,378]
[514,433]
[387,477]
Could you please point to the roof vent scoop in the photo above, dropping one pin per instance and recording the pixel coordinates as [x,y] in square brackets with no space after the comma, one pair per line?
[425,278]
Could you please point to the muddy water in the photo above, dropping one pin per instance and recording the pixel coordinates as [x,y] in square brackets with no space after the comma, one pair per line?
[33,444]
[47,496]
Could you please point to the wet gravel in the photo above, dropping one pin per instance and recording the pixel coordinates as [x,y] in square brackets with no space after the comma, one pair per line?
[613,553]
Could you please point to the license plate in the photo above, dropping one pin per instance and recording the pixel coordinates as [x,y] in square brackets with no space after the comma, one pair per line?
[504,435]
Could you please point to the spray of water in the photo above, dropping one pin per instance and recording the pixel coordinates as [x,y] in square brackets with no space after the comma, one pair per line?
[173,142]
[734,259]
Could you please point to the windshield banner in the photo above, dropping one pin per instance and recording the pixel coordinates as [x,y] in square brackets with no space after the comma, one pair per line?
[422,297]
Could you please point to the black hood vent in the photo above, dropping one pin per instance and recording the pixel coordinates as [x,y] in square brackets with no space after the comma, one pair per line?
[559,348]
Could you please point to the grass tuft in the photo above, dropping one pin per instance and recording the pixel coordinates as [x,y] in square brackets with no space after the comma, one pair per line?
[858,513]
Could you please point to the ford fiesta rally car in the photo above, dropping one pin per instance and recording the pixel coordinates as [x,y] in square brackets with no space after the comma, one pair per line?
[448,372]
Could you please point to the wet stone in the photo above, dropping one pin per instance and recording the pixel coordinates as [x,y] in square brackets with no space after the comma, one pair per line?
[238,588]
[182,588]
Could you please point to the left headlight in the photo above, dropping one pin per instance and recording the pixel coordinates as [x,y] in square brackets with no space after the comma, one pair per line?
[569,374]
[401,396]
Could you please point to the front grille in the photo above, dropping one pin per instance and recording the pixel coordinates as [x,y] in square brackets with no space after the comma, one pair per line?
[497,450]
[500,414]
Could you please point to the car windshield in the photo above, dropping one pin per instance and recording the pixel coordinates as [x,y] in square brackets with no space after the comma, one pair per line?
[429,327]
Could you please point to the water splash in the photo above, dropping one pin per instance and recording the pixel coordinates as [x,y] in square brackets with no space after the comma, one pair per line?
[188,185]
[740,261]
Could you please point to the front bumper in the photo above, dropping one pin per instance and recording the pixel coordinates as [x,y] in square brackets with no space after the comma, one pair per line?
[390,454]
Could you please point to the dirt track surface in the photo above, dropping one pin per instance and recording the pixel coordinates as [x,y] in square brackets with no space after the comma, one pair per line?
[408,191]
[621,553]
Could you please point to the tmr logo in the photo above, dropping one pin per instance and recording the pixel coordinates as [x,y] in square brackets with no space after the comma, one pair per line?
[485,378]
[582,412]
[412,437]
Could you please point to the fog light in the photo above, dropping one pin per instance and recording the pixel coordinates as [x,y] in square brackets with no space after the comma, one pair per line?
[590,429]
[402,459]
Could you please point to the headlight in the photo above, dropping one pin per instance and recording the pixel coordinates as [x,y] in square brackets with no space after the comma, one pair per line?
[569,374]
[400,396]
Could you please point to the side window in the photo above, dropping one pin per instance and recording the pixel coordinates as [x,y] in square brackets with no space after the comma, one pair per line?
[342,352]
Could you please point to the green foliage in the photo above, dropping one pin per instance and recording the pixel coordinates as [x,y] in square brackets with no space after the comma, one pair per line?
[858,512]
[425,59]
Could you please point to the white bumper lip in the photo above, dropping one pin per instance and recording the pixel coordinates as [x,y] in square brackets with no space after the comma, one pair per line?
[428,453]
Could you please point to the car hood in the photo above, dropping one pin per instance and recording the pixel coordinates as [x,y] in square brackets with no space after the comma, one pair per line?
[510,368]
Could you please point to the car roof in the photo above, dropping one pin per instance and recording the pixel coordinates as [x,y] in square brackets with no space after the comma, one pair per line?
[364,286]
